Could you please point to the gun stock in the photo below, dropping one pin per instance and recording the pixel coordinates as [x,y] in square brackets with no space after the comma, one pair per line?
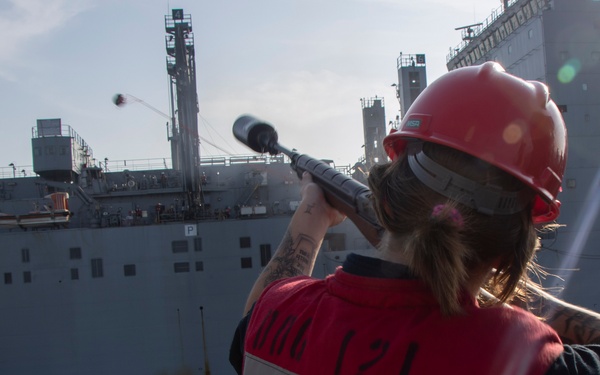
[345,194]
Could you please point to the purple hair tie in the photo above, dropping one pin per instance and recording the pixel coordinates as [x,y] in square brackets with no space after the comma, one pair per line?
[453,215]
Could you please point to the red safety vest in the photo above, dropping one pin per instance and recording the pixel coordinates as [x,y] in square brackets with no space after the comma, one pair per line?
[348,324]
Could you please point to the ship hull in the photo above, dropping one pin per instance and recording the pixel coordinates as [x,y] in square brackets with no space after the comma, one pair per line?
[146,320]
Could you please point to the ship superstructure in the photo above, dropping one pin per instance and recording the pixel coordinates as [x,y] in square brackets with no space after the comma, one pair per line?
[557,42]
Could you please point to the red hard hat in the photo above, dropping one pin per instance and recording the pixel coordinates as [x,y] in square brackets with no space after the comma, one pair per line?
[497,117]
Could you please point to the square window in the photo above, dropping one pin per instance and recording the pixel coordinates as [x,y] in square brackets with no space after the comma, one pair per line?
[414,79]
[179,246]
[520,17]
[508,28]
[335,241]
[7,278]
[527,11]
[246,262]
[25,255]
[97,268]
[198,244]
[74,274]
[265,254]
[245,242]
[180,267]
[129,270]
[27,277]
[75,253]
[199,266]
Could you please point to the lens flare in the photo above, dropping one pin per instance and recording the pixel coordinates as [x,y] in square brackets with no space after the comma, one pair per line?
[512,134]
[568,71]
[584,224]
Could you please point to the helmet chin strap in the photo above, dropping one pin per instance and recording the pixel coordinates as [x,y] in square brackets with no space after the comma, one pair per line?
[487,199]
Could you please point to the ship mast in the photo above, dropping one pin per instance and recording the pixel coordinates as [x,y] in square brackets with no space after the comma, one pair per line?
[181,66]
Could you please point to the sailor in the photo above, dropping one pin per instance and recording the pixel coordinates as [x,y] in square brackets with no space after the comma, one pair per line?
[476,165]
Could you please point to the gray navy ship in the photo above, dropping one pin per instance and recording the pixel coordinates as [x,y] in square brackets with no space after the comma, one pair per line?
[143,267]
[556,42]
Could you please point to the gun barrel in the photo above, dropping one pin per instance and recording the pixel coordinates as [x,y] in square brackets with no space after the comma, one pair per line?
[260,136]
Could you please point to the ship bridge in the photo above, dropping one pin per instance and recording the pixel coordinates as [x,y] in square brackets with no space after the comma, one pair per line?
[59,153]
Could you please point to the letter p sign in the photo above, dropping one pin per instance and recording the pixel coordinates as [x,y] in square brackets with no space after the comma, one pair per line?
[191,230]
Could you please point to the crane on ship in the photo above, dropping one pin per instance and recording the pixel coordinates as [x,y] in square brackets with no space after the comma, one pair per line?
[181,67]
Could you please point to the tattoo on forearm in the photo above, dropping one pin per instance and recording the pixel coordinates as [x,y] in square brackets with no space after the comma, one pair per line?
[578,327]
[294,257]
[573,324]
[309,208]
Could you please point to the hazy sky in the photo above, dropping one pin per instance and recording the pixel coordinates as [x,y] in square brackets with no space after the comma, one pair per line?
[302,65]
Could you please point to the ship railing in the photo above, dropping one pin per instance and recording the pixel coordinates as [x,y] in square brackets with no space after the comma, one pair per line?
[410,60]
[20,171]
[244,159]
[370,103]
[17,171]
[165,163]
[136,164]
[64,131]
[270,159]
[477,30]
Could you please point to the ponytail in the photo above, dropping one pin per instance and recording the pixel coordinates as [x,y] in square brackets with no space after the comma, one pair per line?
[439,257]
[445,243]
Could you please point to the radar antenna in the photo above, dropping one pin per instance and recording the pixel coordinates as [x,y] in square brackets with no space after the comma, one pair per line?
[468,31]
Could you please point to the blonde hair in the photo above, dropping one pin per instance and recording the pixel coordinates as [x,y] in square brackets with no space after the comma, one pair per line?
[447,242]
